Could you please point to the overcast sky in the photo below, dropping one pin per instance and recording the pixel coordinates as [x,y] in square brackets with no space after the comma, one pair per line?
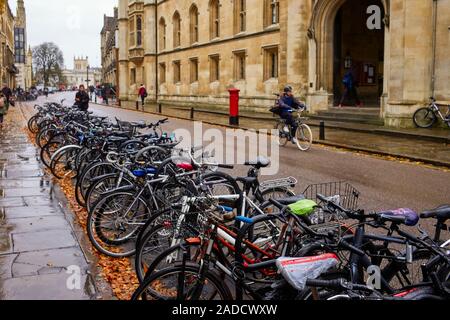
[74,25]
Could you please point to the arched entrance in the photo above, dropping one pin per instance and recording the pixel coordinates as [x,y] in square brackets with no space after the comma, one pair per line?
[338,33]
[359,49]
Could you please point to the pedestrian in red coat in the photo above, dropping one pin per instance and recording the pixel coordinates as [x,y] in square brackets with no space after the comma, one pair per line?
[142,93]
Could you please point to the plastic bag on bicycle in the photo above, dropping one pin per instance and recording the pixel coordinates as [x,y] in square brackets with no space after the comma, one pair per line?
[297,271]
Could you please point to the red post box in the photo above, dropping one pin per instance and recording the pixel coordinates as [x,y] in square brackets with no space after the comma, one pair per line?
[234,106]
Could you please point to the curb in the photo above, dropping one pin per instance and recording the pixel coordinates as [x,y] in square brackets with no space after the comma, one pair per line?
[323,143]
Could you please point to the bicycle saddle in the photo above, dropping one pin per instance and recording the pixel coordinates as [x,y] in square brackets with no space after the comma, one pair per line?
[402,216]
[260,162]
[441,213]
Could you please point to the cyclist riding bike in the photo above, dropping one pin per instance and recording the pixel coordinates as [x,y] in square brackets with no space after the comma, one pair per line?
[289,104]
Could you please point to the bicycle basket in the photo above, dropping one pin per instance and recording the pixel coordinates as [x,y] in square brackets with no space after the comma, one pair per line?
[342,192]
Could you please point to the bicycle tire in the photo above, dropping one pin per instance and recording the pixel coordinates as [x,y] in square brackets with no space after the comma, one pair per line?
[426,115]
[210,277]
[304,133]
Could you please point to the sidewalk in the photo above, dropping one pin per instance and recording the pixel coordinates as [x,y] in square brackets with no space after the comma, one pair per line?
[38,242]
[429,146]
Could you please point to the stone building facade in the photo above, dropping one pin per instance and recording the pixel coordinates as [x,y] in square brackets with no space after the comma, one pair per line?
[109,49]
[79,74]
[21,50]
[192,52]
[8,70]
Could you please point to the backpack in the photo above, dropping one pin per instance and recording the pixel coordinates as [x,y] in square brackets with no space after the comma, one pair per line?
[348,80]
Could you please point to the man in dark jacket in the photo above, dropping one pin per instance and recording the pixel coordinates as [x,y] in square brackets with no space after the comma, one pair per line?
[287,104]
[7,94]
[82,99]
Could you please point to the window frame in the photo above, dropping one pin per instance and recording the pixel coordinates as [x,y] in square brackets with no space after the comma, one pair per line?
[162,73]
[162,34]
[271,67]
[240,65]
[193,24]
[176,64]
[214,68]
[176,21]
[194,70]
[214,19]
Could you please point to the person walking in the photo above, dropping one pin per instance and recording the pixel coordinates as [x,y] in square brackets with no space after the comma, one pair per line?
[82,99]
[105,95]
[7,94]
[2,109]
[143,94]
[350,89]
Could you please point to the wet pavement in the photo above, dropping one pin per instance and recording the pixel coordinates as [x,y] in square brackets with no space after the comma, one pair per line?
[39,250]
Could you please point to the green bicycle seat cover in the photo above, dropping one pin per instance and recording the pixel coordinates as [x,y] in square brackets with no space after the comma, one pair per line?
[303,207]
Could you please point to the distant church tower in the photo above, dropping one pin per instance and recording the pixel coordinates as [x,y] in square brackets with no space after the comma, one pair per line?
[23,79]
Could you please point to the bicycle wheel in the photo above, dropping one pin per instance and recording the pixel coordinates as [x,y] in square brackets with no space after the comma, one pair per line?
[424,118]
[33,124]
[62,164]
[183,283]
[283,136]
[115,221]
[85,179]
[104,185]
[304,137]
[155,242]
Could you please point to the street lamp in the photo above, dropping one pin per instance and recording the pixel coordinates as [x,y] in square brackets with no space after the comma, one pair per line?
[87,83]
[348,61]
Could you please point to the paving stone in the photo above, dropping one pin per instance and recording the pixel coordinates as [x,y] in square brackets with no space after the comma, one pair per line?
[23,183]
[41,200]
[25,192]
[29,212]
[12,202]
[23,174]
[6,265]
[44,240]
[43,287]
[38,224]
[48,262]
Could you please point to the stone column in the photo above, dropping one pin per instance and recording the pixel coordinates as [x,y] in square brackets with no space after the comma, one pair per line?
[294,21]
[150,46]
[409,59]
[123,51]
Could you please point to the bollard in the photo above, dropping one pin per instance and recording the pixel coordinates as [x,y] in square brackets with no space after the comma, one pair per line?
[322,130]
[192,113]
[160,108]
[234,107]
[137,105]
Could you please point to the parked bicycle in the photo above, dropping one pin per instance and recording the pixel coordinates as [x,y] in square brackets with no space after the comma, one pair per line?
[429,116]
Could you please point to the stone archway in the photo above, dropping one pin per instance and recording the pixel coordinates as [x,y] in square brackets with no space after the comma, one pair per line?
[321,34]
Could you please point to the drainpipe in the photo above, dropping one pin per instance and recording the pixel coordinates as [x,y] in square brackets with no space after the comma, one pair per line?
[434,40]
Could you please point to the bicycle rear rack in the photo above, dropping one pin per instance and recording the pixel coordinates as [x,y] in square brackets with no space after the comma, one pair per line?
[289,182]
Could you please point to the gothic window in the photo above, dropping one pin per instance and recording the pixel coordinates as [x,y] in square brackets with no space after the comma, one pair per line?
[162,34]
[176,29]
[193,15]
[214,13]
